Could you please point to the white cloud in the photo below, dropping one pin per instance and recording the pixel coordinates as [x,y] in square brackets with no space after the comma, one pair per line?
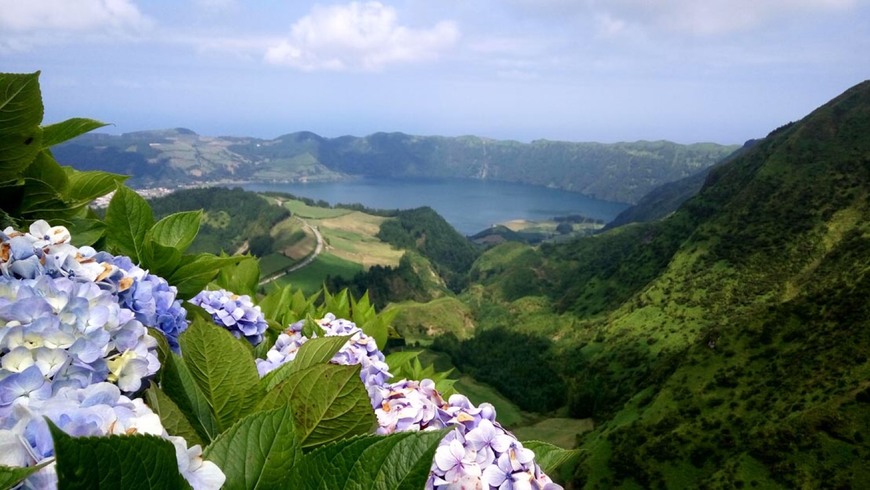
[711,17]
[70,15]
[358,36]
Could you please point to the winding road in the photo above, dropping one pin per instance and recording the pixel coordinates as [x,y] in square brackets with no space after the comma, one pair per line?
[306,261]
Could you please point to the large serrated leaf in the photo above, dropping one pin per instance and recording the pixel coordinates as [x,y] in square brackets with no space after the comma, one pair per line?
[128,219]
[20,102]
[17,151]
[86,231]
[550,457]
[161,261]
[258,452]
[173,419]
[112,462]
[85,186]
[10,476]
[329,403]
[21,113]
[223,368]
[315,351]
[197,271]
[179,385]
[45,169]
[69,129]
[399,461]
[177,230]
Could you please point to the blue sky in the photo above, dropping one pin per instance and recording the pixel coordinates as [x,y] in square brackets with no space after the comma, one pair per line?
[577,70]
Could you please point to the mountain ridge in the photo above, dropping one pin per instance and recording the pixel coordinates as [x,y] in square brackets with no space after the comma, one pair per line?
[621,172]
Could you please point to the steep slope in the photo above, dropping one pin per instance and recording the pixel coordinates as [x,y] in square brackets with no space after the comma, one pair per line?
[667,198]
[726,345]
[747,351]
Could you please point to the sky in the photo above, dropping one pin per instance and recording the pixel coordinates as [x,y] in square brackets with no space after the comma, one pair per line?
[723,71]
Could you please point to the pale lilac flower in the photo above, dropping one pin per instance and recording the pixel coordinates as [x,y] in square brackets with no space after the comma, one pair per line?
[455,461]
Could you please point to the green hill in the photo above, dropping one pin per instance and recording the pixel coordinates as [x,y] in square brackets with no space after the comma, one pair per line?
[727,345]
[621,172]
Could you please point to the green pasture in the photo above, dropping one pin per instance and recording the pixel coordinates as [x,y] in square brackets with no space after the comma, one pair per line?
[311,277]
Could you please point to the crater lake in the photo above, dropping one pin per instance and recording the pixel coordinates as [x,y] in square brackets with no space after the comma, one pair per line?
[469,205]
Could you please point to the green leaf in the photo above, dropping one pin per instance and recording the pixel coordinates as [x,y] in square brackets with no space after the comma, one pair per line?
[21,113]
[41,200]
[311,328]
[10,476]
[128,219]
[17,151]
[241,278]
[85,186]
[395,462]
[160,260]
[551,457]
[223,368]
[329,403]
[398,360]
[45,169]
[173,419]
[177,230]
[314,351]
[197,271]
[111,462]
[20,102]
[337,304]
[86,231]
[178,383]
[69,129]
[285,306]
[258,452]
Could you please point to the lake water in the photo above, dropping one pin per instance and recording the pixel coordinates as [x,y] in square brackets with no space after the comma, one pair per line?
[469,205]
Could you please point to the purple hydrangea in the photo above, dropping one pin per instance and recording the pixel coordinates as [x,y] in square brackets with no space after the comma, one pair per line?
[478,453]
[95,410]
[235,313]
[359,349]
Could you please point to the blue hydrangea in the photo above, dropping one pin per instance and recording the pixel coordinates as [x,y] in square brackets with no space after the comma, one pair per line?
[70,334]
[95,410]
[234,312]
[46,250]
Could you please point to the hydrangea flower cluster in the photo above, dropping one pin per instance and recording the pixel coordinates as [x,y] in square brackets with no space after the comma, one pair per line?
[68,333]
[95,410]
[478,453]
[359,349]
[71,340]
[235,313]
[46,251]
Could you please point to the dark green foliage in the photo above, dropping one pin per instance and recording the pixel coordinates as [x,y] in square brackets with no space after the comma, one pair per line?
[424,230]
[516,364]
[385,284]
[232,216]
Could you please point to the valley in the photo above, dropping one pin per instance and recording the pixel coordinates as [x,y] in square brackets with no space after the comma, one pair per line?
[722,344]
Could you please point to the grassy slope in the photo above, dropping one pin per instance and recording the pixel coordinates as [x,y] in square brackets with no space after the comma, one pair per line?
[763,388]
